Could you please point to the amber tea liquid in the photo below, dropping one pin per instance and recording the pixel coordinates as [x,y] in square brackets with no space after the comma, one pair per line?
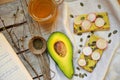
[43,11]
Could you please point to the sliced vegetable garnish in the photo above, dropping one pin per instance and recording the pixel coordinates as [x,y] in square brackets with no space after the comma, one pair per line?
[91,17]
[77,20]
[86,24]
[95,55]
[82,62]
[99,22]
[101,43]
[87,51]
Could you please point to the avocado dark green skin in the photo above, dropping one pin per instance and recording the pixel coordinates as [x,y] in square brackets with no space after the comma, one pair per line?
[64,63]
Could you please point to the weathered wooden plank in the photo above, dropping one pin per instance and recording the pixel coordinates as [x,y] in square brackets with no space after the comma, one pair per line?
[11,13]
[21,34]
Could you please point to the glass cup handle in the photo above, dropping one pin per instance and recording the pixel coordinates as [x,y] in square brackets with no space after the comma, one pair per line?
[58,2]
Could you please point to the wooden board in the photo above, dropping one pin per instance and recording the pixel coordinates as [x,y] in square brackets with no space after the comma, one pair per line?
[5,1]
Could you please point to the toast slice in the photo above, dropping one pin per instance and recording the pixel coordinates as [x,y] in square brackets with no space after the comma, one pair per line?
[88,62]
[98,21]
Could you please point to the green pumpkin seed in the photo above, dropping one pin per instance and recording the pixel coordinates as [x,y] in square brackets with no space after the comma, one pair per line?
[81,39]
[81,4]
[109,35]
[99,6]
[71,16]
[115,31]
[109,41]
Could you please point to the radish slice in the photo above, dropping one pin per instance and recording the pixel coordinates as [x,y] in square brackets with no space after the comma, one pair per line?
[99,22]
[86,24]
[101,43]
[95,55]
[82,62]
[91,17]
[77,20]
[87,51]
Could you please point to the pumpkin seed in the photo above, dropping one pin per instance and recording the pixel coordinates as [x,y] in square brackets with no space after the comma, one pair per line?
[77,68]
[100,16]
[92,32]
[79,51]
[81,4]
[81,39]
[99,6]
[109,41]
[71,16]
[75,74]
[82,18]
[109,34]
[81,45]
[85,74]
[79,33]
[115,31]
[88,36]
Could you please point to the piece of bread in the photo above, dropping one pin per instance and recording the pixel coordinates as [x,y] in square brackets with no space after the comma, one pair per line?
[91,60]
[82,18]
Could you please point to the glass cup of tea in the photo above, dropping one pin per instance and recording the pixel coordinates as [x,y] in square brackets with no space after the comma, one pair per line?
[43,11]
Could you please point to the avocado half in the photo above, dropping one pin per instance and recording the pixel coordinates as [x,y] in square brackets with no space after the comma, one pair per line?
[61,50]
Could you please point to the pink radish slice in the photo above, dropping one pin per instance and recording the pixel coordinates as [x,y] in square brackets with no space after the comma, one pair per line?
[87,51]
[77,20]
[101,43]
[91,17]
[95,55]
[86,24]
[99,22]
[82,62]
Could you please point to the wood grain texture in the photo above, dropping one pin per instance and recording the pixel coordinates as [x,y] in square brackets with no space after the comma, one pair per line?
[119,2]
[5,1]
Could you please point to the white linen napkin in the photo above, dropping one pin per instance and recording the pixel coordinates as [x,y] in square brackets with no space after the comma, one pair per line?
[65,24]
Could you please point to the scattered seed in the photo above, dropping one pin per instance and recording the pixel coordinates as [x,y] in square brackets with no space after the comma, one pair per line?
[92,32]
[85,74]
[94,48]
[88,36]
[79,33]
[105,23]
[81,45]
[109,35]
[100,16]
[81,4]
[80,28]
[75,74]
[71,16]
[109,41]
[115,31]
[99,6]
[82,18]
[77,68]
[81,39]
[79,51]
[80,75]
[94,42]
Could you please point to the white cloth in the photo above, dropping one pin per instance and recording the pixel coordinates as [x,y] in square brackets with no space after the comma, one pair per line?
[65,24]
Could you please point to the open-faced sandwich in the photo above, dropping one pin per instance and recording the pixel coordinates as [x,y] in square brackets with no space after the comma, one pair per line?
[91,22]
[92,52]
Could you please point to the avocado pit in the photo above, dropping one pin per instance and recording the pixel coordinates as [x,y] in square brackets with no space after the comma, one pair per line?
[60,48]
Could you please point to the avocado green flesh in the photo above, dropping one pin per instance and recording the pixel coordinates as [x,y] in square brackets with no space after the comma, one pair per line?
[65,63]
